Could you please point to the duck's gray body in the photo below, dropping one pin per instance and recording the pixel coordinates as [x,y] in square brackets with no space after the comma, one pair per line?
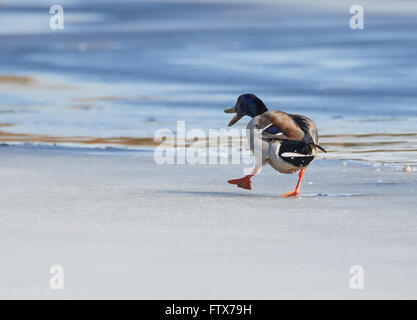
[286,142]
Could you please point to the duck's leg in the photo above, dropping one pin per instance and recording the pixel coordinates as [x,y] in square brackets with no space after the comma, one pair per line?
[257,146]
[296,191]
[244,182]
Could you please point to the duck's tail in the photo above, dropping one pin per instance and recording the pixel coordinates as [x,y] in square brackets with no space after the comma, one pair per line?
[317,146]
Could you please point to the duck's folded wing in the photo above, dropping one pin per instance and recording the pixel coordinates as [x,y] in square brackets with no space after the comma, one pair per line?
[282,127]
[290,128]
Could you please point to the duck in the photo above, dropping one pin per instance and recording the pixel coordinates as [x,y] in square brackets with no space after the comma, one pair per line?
[287,142]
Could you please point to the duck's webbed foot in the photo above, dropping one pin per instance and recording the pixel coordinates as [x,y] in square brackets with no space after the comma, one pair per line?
[244,182]
[296,191]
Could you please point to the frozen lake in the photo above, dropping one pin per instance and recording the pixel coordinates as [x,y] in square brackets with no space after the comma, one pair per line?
[128,68]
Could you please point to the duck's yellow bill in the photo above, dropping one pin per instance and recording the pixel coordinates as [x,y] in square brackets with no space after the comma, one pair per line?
[230,110]
[234,120]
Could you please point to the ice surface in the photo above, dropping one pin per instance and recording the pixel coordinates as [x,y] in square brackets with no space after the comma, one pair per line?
[124,227]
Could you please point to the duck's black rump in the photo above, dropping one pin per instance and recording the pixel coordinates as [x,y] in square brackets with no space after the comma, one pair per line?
[299,148]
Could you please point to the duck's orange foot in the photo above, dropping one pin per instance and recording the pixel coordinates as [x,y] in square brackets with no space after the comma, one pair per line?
[244,182]
[293,193]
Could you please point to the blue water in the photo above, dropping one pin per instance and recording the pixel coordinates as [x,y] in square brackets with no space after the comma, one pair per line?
[129,68]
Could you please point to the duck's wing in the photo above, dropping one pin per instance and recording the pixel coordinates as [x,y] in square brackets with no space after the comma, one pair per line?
[290,127]
[310,130]
[281,126]
[308,127]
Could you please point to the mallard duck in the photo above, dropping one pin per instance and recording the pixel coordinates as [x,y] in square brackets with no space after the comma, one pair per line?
[287,142]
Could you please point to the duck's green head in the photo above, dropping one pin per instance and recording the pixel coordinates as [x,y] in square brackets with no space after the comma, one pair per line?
[246,105]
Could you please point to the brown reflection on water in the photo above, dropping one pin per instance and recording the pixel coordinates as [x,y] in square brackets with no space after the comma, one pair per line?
[379,147]
[19,80]
[121,141]
[28,82]
[36,138]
